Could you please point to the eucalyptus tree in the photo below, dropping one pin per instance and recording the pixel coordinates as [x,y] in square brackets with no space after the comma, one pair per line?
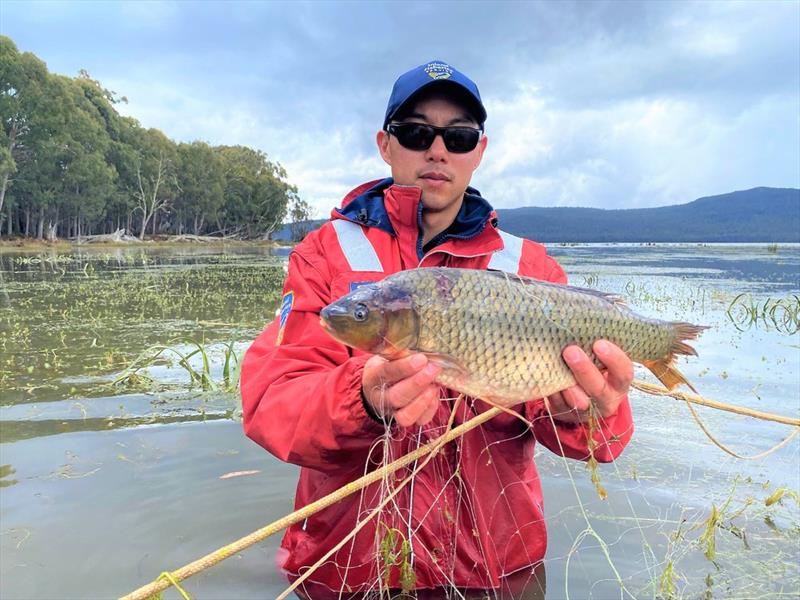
[86,177]
[300,213]
[155,162]
[256,192]
[71,163]
[201,179]
[24,109]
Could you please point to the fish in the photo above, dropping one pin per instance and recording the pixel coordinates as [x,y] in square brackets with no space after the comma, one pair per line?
[498,336]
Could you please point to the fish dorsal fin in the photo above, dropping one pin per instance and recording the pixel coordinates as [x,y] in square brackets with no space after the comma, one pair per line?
[609,297]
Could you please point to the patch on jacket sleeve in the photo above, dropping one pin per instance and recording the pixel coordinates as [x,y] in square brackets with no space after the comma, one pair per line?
[286,308]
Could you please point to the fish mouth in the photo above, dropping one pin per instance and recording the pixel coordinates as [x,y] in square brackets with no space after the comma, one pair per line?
[332,318]
[332,312]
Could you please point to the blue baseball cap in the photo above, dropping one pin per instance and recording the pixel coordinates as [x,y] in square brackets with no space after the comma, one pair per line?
[436,73]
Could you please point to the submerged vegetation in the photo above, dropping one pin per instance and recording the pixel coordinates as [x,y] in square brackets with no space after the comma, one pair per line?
[199,374]
[783,314]
[73,325]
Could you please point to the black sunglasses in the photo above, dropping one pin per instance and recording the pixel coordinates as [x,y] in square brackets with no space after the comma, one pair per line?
[420,136]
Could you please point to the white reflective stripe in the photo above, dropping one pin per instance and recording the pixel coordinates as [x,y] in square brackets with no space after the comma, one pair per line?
[508,258]
[357,249]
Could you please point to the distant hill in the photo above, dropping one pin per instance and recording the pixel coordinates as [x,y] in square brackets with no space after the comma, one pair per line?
[759,215]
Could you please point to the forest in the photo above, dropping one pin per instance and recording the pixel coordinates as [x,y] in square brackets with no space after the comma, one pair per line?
[71,166]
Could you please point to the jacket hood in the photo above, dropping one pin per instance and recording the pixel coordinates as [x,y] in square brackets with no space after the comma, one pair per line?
[366,205]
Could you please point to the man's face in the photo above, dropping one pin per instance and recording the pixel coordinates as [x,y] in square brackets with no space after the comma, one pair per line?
[442,175]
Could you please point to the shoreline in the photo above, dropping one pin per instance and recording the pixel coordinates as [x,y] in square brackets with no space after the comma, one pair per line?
[28,244]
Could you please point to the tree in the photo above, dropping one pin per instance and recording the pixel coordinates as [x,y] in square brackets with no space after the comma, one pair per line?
[256,193]
[202,184]
[26,120]
[300,214]
[156,184]
[69,163]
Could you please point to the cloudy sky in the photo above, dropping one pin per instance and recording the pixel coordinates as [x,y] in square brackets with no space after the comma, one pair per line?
[601,104]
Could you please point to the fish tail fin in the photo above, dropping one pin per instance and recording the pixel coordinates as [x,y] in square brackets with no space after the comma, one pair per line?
[682,332]
[664,368]
[667,373]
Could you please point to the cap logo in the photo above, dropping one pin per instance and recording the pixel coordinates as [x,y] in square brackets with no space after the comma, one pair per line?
[438,70]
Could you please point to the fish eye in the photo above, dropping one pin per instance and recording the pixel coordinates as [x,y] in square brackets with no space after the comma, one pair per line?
[360,312]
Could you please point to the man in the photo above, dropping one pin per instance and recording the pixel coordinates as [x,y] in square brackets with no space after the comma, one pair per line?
[473,515]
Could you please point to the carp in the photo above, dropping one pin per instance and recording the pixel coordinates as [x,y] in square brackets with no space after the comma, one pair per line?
[498,336]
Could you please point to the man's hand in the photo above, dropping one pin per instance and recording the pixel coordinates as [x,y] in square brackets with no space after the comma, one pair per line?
[403,389]
[606,388]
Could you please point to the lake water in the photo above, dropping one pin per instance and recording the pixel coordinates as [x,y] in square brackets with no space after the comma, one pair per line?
[104,486]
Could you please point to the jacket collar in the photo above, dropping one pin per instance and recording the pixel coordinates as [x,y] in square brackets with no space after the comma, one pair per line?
[392,208]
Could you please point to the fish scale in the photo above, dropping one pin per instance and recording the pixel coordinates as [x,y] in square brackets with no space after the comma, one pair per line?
[499,336]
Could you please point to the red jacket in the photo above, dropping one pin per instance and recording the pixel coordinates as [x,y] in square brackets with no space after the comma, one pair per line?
[476,509]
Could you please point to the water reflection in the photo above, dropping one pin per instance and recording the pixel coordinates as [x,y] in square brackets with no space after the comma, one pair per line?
[15,431]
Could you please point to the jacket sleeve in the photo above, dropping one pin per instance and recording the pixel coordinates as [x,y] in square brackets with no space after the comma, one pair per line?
[301,397]
[571,440]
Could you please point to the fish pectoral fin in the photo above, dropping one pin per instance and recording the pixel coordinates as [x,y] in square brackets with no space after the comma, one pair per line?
[447,363]
[667,373]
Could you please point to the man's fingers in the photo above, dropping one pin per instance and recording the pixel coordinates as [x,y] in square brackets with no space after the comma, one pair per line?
[392,371]
[606,388]
[405,391]
[576,398]
[586,374]
[619,366]
[560,409]
[433,406]
[416,412]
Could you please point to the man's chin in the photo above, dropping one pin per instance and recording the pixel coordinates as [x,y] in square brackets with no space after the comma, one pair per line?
[437,203]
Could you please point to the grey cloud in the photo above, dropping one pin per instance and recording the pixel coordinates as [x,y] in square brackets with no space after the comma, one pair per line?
[594,103]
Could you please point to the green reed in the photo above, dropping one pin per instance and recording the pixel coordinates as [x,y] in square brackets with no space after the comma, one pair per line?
[782,314]
[136,375]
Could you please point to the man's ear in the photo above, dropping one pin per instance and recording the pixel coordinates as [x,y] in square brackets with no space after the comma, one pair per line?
[382,139]
[481,149]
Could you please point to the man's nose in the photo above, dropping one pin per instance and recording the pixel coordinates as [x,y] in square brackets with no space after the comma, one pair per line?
[437,151]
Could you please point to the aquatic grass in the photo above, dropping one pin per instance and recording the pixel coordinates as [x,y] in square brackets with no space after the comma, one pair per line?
[395,552]
[136,375]
[100,318]
[231,368]
[591,280]
[666,583]
[782,314]
[739,558]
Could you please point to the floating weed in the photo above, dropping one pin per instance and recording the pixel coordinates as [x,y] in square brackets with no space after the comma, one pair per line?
[231,368]
[666,583]
[592,464]
[400,557]
[135,374]
[129,304]
[6,471]
[778,495]
[782,314]
[591,280]
[709,537]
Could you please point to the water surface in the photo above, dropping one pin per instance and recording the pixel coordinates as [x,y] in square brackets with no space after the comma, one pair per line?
[103,487]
